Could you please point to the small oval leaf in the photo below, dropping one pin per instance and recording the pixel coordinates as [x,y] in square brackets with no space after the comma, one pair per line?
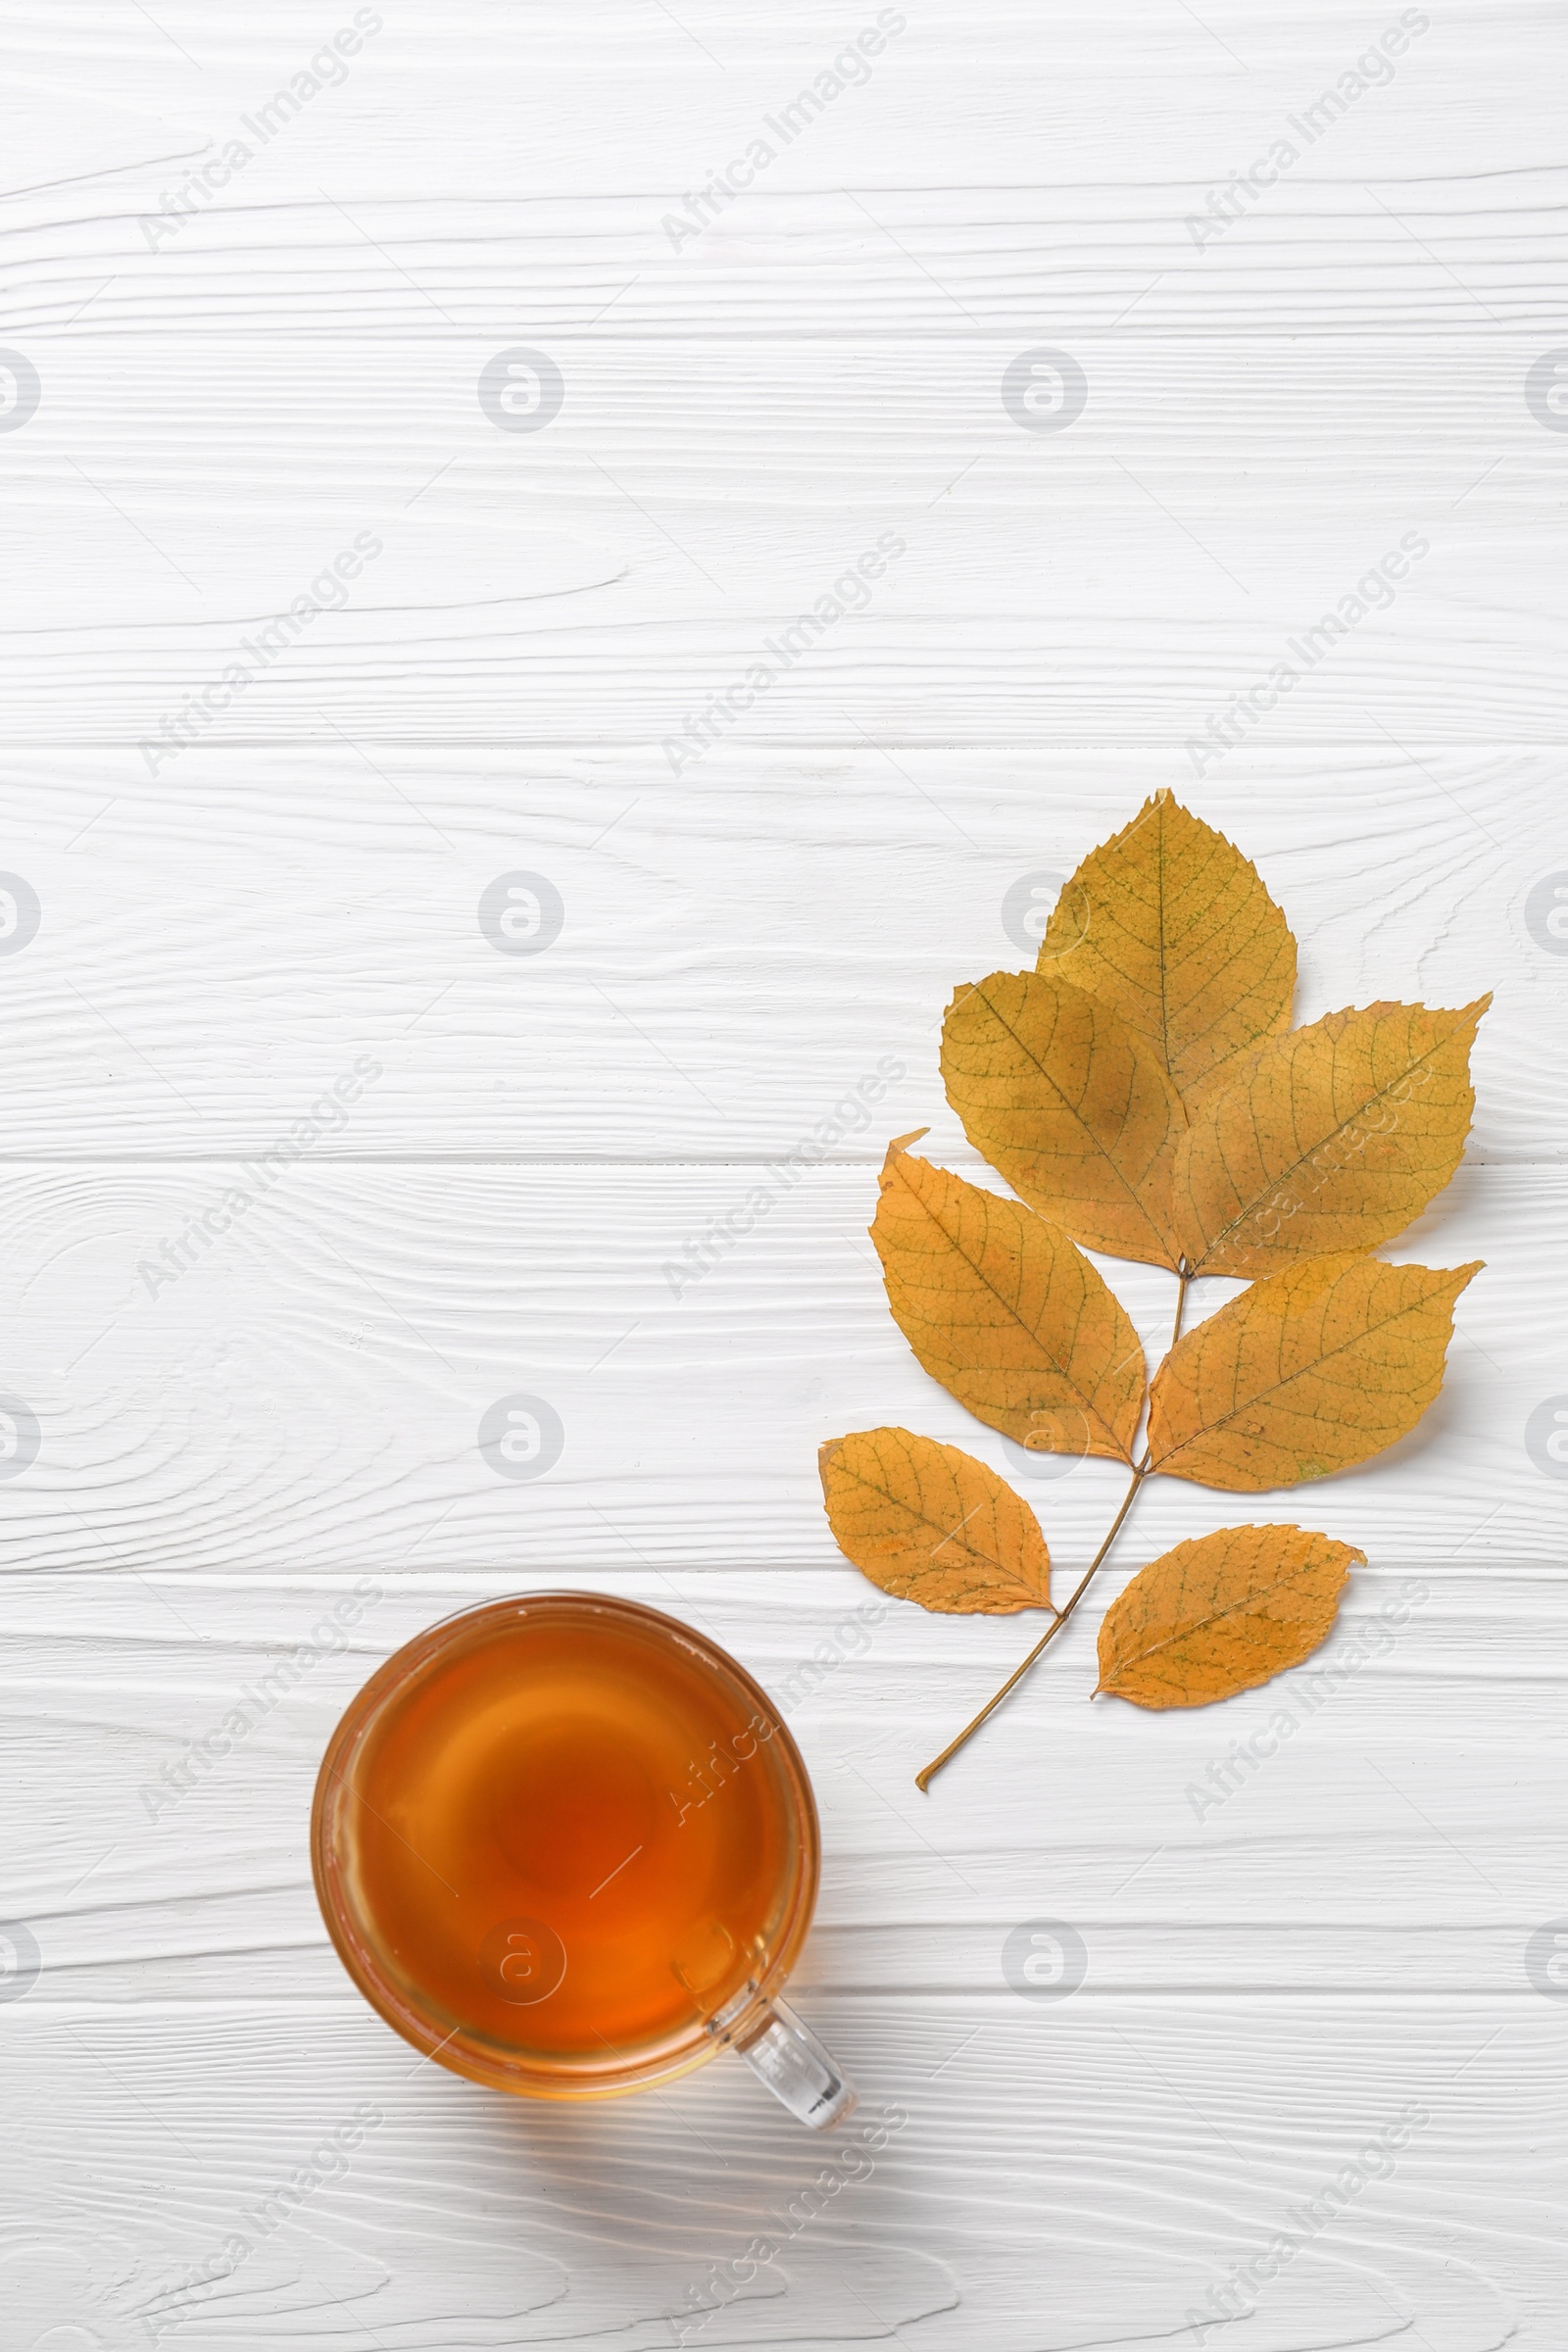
[930,1524]
[1222,1615]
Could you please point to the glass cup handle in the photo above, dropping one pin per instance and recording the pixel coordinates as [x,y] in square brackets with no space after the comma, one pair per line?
[785,2054]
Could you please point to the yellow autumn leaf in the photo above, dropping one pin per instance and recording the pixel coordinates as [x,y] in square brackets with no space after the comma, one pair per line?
[1307,1372]
[1001,1308]
[1072,1107]
[1222,1615]
[1332,1137]
[1171,927]
[930,1524]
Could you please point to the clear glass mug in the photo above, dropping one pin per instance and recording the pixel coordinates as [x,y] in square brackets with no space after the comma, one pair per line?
[565,1845]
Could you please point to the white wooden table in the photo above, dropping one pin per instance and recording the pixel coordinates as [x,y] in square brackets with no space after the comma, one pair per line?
[244,1413]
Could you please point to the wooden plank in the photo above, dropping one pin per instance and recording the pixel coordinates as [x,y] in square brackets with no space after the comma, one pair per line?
[997,167]
[310,1382]
[1156,2146]
[612,576]
[738,950]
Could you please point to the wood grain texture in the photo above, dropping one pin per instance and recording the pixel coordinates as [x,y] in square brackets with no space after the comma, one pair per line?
[737,952]
[544,2224]
[611,576]
[1289,1937]
[311,1379]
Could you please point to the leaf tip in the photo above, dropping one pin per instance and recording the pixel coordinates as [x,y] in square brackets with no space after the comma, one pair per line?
[902,1143]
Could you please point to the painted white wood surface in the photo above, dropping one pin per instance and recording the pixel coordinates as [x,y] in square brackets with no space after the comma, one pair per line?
[610,576]
[737,948]
[224,932]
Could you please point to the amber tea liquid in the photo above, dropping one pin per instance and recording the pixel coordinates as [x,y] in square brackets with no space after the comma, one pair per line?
[569,1835]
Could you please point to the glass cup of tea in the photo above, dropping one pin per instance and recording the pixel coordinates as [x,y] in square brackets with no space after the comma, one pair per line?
[566,1846]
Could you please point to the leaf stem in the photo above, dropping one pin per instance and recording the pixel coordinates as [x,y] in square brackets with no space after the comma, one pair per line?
[923,1780]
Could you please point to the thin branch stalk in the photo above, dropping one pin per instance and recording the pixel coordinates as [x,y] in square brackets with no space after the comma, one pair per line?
[1060,1617]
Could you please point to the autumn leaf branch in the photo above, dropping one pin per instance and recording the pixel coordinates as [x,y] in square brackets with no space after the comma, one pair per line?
[1144,1096]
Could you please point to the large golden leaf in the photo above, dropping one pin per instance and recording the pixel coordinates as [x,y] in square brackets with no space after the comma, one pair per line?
[1222,1615]
[1329,1138]
[1003,1309]
[1070,1104]
[1306,1373]
[1172,926]
[930,1524]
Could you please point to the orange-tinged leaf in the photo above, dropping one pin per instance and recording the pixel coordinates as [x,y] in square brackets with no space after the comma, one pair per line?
[930,1524]
[1172,926]
[1003,1309]
[1332,1137]
[1070,1104]
[1306,1373]
[1222,1615]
